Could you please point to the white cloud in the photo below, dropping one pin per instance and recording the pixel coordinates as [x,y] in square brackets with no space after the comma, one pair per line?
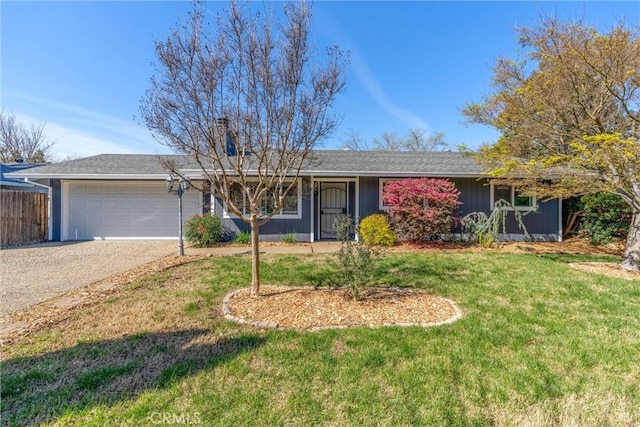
[79,132]
[370,81]
[373,86]
[69,142]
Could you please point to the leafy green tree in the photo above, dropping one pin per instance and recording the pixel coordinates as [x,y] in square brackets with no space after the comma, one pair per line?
[605,217]
[568,115]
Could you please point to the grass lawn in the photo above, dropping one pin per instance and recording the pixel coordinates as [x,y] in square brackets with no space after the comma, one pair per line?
[539,344]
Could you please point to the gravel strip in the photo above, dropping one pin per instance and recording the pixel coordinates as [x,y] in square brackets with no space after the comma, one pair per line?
[35,273]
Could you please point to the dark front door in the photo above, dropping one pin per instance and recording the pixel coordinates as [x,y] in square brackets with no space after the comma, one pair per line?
[333,202]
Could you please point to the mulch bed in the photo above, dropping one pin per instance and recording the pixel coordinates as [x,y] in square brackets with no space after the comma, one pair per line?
[306,308]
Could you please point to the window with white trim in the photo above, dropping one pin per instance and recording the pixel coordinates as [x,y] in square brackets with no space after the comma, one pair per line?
[382,181]
[517,200]
[291,205]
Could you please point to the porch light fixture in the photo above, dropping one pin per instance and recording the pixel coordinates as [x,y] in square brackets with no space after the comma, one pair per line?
[183,186]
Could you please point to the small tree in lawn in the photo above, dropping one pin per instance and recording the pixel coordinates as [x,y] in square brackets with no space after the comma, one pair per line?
[421,208]
[246,104]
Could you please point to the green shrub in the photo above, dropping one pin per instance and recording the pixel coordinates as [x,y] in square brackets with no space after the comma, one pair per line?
[354,263]
[204,230]
[289,238]
[243,238]
[376,230]
[606,218]
[485,240]
[485,229]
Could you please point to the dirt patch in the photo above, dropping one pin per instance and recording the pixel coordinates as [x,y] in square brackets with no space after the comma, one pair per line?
[607,268]
[307,308]
[569,246]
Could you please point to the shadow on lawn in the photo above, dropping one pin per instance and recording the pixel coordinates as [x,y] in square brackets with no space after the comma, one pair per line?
[40,388]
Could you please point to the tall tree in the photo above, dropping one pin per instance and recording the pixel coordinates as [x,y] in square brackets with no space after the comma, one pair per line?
[18,141]
[247,103]
[389,141]
[355,141]
[420,140]
[416,140]
[570,109]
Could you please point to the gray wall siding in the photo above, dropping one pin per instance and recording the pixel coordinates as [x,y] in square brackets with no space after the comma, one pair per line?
[369,196]
[56,210]
[475,197]
[276,228]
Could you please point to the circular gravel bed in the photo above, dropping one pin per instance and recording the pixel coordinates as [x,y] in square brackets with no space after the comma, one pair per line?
[307,308]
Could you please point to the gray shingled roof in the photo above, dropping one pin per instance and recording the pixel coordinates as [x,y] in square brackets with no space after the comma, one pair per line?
[394,162]
[326,163]
[143,165]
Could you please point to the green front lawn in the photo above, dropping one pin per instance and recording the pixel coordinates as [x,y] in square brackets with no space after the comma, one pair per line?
[540,344]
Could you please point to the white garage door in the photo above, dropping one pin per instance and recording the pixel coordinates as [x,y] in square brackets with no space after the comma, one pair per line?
[125,210]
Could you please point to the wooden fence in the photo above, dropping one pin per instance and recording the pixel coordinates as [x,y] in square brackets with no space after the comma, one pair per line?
[24,217]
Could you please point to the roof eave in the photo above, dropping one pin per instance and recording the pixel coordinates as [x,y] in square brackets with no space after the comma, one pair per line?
[130,176]
[385,174]
[337,173]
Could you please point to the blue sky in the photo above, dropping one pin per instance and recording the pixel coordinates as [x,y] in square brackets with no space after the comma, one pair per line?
[82,67]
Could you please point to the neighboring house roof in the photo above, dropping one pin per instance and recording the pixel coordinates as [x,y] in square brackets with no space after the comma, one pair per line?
[17,183]
[325,163]
[113,166]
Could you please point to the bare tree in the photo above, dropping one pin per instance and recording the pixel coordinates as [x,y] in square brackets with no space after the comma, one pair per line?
[416,140]
[420,140]
[354,141]
[247,104]
[18,141]
[390,141]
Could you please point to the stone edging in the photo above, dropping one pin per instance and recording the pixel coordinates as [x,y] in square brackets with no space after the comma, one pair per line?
[241,320]
[274,325]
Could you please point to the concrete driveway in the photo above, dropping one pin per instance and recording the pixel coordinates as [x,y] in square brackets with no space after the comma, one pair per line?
[36,273]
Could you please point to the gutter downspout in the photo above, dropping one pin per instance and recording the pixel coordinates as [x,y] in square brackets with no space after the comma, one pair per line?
[561,231]
[49,207]
[312,236]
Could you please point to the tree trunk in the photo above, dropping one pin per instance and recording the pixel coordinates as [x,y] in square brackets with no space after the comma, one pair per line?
[631,258]
[255,257]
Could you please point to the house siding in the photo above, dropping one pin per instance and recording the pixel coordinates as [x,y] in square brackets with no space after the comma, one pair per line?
[475,196]
[276,228]
[369,196]
[544,224]
[56,210]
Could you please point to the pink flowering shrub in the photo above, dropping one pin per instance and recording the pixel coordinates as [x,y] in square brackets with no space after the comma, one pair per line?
[421,208]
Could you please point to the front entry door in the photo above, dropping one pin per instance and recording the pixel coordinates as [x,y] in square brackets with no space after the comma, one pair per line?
[333,202]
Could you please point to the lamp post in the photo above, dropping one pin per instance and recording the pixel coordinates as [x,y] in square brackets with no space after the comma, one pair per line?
[183,186]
